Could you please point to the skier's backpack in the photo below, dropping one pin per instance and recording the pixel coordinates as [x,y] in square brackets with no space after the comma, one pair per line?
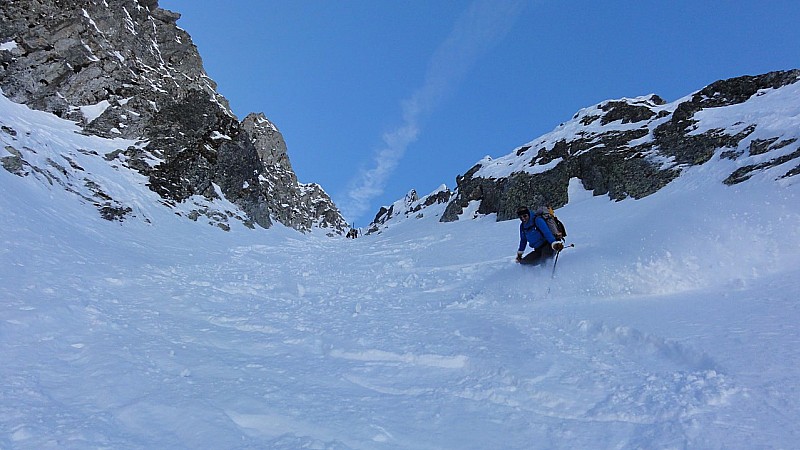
[555,225]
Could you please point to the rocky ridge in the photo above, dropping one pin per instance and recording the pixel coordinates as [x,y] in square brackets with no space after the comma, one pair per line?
[632,147]
[124,69]
[411,206]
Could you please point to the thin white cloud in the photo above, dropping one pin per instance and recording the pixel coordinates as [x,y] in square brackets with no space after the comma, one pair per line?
[482,25]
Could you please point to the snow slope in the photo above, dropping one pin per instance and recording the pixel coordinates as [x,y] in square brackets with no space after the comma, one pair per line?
[673,323]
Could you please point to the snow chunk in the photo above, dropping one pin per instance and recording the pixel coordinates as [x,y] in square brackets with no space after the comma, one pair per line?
[216,135]
[8,46]
[92,112]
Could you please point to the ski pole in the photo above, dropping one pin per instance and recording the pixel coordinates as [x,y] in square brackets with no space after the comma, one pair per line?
[553,275]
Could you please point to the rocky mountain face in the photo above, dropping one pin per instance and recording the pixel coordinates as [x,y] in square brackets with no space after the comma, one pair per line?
[634,147]
[631,148]
[411,206]
[124,69]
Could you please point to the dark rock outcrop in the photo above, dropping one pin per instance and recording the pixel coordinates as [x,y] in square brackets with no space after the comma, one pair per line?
[122,68]
[628,148]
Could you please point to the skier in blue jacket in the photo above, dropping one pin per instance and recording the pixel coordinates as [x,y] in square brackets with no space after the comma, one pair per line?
[533,230]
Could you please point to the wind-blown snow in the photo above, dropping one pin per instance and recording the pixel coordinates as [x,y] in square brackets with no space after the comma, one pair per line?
[671,324]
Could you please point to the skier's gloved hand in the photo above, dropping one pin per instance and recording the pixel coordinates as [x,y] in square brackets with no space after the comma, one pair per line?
[519,256]
[557,246]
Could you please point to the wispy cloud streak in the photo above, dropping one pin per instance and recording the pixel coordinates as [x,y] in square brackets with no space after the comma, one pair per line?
[479,28]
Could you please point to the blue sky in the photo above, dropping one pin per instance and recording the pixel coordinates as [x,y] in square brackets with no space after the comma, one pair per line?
[376,98]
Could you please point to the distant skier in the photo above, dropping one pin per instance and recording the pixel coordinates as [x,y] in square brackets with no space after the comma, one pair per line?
[533,230]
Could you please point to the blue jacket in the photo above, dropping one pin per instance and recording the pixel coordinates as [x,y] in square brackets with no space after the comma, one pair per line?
[534,232]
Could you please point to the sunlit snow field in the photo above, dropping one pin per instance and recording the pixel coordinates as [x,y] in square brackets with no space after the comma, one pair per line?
[672,323]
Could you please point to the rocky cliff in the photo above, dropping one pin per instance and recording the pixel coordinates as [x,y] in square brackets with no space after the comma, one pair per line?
[412,206]
[123,68]
[632,147]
